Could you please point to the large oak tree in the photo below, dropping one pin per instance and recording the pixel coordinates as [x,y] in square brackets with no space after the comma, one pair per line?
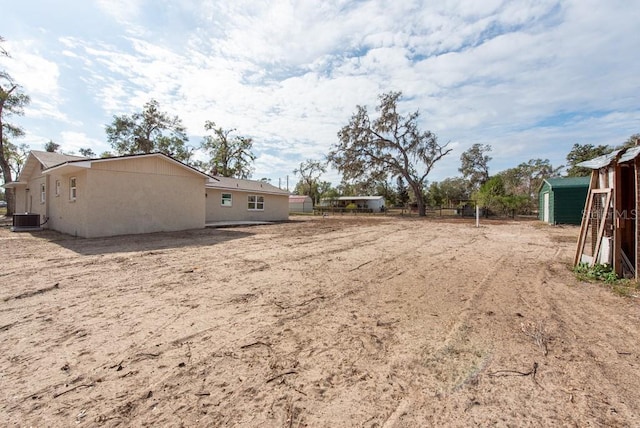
[389,145]
[149,131]
[230,156]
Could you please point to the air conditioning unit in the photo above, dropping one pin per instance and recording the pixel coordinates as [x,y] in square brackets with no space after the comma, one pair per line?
[25,222]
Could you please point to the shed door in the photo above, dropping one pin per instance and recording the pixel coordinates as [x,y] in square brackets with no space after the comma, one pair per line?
[545,208]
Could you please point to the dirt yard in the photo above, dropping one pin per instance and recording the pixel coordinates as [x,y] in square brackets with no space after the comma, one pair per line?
[335,322]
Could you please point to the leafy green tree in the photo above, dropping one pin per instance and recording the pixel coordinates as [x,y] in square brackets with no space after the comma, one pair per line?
[454,190]
[491,193]
[149,131]
[310,172]
[229,156]
[51,147]
[475,165]
[513,204]
[526,178]
[326,190]
[633,140]
[12,103]
[435,197]
[88,152]
[17,155]
[580,153]
[385,189]
[390,145]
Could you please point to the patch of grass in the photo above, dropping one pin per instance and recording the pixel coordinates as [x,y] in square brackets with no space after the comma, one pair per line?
[605,273]
[597,272]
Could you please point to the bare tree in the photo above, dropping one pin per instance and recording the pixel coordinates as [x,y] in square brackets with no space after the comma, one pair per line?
[391,145]
[310,172]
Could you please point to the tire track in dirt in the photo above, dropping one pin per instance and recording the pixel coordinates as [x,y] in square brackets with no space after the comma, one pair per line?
[398,324]
[597,340]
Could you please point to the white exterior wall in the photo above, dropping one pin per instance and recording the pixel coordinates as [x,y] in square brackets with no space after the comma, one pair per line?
[127,196]
[122,203]
[276,207]
[67,215]
[375,204]
[28,197]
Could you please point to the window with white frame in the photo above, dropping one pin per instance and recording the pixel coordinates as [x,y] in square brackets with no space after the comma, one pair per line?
[57,187]
[227,200]
[43,193]
[72,189]
[255,202]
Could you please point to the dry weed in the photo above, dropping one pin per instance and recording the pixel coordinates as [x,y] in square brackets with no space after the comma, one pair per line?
[538,332]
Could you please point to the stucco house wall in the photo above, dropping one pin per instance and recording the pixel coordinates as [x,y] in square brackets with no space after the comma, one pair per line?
[113,196]
[276,207]
[68,215]
[129,195]
[138,194]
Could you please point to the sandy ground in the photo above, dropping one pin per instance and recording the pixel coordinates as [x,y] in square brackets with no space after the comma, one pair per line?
[336,322]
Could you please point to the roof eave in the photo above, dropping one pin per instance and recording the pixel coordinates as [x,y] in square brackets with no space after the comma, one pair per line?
[244,189]
[14,184]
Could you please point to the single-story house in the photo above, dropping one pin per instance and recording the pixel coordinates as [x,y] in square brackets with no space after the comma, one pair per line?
[134,194]
[561,199]
[232,199]
[372,203]
[610,229]
[111,196]
[300,204]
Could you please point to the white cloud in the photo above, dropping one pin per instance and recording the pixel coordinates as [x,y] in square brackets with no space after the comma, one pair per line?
[30,70]
[124,11]
[72,142]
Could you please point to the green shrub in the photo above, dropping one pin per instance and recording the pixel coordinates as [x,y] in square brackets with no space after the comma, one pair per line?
[598,272]
[605,273]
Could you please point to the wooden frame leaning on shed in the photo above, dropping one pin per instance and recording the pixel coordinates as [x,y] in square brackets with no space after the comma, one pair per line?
[609,228]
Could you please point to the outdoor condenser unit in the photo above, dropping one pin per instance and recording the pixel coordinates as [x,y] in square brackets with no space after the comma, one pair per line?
[25,221]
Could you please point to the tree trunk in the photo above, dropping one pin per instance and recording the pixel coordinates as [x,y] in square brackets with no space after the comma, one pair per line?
[422,207]
[6,173]
[9,194]
[417,192]
[10,197]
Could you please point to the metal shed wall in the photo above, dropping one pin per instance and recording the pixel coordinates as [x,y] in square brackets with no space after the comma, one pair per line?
[300,204]
[566,203]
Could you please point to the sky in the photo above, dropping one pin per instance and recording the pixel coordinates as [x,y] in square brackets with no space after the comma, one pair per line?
[530,78]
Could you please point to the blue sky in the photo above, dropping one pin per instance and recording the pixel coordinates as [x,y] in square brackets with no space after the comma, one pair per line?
[530,78]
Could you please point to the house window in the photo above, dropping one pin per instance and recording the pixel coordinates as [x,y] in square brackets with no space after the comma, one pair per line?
[255,202]
[57,187]
[226,200]
[43,193]
[72,189]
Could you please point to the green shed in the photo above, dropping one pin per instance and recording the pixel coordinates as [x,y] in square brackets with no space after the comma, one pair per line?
[561,200]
